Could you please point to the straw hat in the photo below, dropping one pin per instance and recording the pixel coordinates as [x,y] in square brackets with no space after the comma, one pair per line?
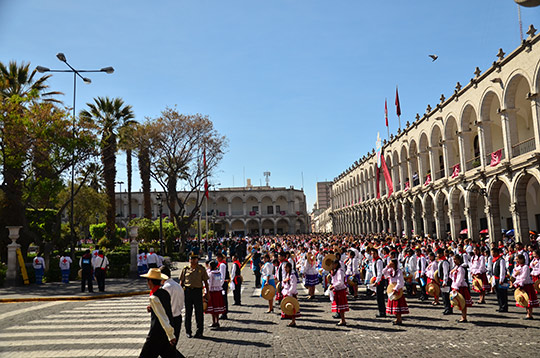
[373,279]
[477,284]
[268,292]
[457,300]
[522,298]
[433,289]
[436,276]
[537,285]
[390,291]
[352,280]
[79,273]
[290,306]
[328,261]
[155,274]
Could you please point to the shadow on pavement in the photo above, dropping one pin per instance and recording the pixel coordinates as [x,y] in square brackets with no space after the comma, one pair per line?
[239,342]
[502,325]
[243,330]
[252,321]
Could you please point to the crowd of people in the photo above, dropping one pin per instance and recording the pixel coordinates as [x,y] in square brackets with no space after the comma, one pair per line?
[396,269]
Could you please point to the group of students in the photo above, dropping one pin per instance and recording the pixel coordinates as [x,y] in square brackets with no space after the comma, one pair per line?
[392,267]
[147,260]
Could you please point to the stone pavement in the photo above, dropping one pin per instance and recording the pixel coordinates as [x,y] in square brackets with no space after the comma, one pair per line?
[117,327]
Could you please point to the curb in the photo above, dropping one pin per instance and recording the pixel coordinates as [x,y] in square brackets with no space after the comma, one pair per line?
[73,298]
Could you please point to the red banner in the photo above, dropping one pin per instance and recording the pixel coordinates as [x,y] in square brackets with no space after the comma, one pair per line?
[455,170]
[398,107]
[428,179]
[387,176]
[377,174]
[496,157]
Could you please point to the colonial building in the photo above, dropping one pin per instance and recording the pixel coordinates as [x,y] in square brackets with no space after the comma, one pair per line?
[238,211]
[469,164]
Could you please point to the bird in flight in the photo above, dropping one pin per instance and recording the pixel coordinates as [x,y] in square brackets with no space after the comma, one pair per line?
[434,57]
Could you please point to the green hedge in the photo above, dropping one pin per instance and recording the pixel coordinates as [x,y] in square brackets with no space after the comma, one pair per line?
[3,271]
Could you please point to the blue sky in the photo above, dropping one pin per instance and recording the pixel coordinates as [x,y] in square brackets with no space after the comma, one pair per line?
[298,86]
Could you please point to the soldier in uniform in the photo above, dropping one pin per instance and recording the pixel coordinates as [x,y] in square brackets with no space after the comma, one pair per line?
[192,279]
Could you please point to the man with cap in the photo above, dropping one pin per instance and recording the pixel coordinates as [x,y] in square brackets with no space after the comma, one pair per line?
[177,300]
[160,340]
[192,278]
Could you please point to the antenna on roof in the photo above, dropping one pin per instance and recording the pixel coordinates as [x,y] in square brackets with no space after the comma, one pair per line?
[267,178]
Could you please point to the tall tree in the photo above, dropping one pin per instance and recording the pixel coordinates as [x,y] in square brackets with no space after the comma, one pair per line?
[142,144]
[109,115]
[127,145]
[177,143]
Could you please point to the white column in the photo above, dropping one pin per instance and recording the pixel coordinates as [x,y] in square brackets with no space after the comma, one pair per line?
[11,274]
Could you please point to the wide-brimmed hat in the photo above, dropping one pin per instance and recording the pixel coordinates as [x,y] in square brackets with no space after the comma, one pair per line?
[352,281]
[290,306]
[268,292]
[79,273]
[537,286]
[328,261]
[155,274]
[457,300]
[433,289]
[390,291]
[477,284]
[436,276]
[522,298]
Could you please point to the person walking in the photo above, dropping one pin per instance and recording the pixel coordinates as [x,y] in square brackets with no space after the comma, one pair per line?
[160,340]
[380,282]
[85,263]
[192,279]
[65,265]
[177,300]
[101,263]
[152,259]
[236,284]
[39,268]
[224,270]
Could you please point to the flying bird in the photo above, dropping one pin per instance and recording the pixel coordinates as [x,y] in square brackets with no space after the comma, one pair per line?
[434,57]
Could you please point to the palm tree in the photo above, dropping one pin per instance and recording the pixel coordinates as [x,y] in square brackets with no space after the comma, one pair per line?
[110,116]
[126,143]
[18,80]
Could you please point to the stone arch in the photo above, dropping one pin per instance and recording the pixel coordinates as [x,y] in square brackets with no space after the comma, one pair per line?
[491,124]
[238,227]
[441,214]
[519,114]
[396,177]
[428,206]
[451,142]
[525,205]
[436,144]
[404,166]
[470,139]
[500,217]
[423,157]
[237,206]
[283,226]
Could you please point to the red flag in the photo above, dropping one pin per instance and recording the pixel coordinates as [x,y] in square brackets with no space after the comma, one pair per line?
[455,170]
[387,176]
[386,112]
[398,107]
[496,157]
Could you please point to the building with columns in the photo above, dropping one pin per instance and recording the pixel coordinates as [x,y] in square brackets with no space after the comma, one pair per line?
[469,164]
[237,211]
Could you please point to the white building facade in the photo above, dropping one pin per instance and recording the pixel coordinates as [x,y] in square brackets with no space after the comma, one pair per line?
[237,211]
[445,169]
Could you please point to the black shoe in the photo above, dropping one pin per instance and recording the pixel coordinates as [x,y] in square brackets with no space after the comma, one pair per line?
[502,311]
[223,316]
[189,335]
[198,335]
[380,316]
[336,315]
[446,313]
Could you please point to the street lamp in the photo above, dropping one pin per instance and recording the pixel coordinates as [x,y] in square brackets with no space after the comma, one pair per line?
[86,80]
[160,203]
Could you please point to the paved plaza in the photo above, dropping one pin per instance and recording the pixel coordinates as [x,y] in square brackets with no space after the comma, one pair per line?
[116,327]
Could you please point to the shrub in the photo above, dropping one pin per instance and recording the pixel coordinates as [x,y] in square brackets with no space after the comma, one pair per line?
[3,272]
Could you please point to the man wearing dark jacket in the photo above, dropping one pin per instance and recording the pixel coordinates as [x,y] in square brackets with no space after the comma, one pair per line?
[160,340]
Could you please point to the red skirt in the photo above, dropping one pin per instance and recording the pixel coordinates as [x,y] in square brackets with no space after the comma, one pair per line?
[216,305]
[485,283]
[464,290]
[296,315]
[429,280]
[535,278]
[397,306]
[340,303]
[533,298]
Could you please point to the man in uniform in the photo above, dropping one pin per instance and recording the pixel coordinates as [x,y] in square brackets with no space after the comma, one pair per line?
[192,279]
[85,263]
[101,263]
[39,268]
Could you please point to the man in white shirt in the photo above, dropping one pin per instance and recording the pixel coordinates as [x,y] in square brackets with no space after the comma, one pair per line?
[152,259]
[177,300]
[65,264]
[39,268]
[100,268]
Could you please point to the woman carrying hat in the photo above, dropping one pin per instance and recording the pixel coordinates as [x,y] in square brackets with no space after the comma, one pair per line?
[459,283]
[535,265]
[216,306]
[478,271]
[267,273]
[289,288]
[430,274]
[395,277]
[340,304]
[311,276]
[524,281]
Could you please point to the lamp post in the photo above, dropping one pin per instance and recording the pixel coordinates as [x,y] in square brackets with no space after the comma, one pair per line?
[160,203]
[121,201]
[76,73]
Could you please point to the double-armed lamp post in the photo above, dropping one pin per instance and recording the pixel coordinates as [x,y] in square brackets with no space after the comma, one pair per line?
[76,73]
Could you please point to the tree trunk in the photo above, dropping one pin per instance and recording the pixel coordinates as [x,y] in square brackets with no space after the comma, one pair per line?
[144,169]
[129,174]
[109,175]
